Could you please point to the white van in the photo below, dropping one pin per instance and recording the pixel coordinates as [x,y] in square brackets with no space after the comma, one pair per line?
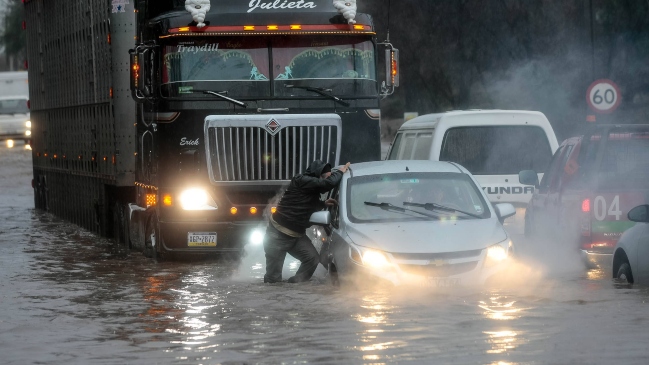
[494,145]
[14,83]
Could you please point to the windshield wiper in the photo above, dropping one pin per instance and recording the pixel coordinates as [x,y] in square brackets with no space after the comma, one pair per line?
[394,208]
[220,95]
[433,206]
[318,90]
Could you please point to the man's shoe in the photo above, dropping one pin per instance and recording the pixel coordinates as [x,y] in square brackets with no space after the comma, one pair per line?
[293,280]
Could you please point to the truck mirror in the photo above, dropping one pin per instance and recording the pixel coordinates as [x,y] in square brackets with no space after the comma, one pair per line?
[137,76]
[392,67]
[528,177]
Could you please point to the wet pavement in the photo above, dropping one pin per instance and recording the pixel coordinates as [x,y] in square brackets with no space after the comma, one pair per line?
[65,298]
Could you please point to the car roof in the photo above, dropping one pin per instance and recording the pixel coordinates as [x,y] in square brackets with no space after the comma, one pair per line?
[431,120]
[398,166]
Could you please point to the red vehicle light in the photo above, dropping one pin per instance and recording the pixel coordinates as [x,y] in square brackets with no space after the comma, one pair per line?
[585,206]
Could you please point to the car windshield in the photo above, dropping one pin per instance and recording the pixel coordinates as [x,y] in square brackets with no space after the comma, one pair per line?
[452,190]
[344,66]
[13,106]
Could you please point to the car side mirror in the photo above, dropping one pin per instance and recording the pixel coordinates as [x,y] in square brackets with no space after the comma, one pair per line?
[528,177]
[504,211]
[639,214]
[322,218]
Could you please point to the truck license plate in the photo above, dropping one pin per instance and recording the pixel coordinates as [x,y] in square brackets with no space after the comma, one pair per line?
[201,239]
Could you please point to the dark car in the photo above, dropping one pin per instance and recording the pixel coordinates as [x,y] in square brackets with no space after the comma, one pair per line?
[588,189]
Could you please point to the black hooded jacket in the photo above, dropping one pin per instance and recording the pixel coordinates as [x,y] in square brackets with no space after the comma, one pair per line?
[302,197]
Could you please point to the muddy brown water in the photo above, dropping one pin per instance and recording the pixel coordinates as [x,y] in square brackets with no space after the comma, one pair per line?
[66,298]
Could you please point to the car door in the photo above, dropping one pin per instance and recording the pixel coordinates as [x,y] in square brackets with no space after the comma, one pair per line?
[541,216]
[640,266]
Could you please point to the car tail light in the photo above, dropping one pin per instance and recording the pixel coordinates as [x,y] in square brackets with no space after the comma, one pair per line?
[585,206]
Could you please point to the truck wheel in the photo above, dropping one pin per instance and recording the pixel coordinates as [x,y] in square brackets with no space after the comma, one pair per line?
[120,230]
[153,239]
[624,274]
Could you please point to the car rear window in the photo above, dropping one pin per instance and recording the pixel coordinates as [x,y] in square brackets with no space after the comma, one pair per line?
[497,150]
[625,161]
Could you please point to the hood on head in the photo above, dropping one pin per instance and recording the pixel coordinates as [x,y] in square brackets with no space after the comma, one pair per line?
[316,167]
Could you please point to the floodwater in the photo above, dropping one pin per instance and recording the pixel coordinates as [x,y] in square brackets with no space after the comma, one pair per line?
[65,298]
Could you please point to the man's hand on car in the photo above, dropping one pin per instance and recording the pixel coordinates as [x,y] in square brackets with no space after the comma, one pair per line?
[331,202]
[345,167]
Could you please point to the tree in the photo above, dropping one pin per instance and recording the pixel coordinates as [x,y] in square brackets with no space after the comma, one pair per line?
[12,37]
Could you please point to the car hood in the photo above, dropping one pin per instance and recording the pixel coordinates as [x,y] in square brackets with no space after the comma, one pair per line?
[428,236]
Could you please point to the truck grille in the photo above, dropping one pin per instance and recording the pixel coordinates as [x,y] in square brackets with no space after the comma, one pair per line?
[249,153]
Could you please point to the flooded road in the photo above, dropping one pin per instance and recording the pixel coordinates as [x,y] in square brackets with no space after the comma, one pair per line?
[65,298]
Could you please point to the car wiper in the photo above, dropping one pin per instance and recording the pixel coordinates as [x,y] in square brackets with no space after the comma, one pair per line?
[318,90]
[220,95]
[394,208]
[433,206]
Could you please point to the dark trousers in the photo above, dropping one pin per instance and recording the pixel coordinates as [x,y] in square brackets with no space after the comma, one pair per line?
[277,245]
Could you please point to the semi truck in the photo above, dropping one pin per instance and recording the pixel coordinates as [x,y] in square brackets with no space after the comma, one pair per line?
[171,125]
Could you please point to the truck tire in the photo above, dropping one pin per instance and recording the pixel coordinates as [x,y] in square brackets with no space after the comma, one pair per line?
[153,239]
[120,230]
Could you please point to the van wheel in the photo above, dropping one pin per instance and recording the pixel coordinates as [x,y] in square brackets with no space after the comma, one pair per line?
[624,274]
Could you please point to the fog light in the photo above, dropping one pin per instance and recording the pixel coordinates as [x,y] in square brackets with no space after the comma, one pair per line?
[233,210]
[10,143]
[257,237]
[28,124]
[28,133]
[253,210]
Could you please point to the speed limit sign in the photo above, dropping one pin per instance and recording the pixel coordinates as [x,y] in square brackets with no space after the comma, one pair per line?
[603,96]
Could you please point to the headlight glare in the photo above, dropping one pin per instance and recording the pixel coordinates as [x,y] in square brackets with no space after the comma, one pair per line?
[28,124]
[375,259]
[496,253]
[257,237]
[196,199]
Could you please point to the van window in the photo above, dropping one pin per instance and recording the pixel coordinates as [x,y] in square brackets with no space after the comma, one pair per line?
[497,150]
[413,145]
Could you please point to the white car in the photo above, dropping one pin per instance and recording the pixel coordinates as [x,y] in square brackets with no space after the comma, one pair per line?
[14,118]
[414,222]
[631,254]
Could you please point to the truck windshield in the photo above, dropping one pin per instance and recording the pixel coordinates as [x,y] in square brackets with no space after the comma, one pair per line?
[343,65]
[346,65]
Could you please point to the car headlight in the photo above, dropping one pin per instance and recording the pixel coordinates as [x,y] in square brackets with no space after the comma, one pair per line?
[28,124]
[497,253]
[375,259]
[196,199]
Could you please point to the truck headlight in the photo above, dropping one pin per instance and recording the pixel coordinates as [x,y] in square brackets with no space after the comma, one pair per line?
[257,237]
[28,124]
[196,199]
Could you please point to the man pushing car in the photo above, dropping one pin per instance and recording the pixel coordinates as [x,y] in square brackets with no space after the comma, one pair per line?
[287,226]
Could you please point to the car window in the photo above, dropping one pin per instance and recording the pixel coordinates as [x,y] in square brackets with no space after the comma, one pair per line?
[497,150]
[552,171]
[625,162]
[394,152]
[13,106]
[412,145]
[453,190]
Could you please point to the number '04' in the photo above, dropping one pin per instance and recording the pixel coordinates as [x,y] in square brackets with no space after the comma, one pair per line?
[601,209]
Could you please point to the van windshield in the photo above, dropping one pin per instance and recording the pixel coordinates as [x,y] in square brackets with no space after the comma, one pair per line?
[497,150]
